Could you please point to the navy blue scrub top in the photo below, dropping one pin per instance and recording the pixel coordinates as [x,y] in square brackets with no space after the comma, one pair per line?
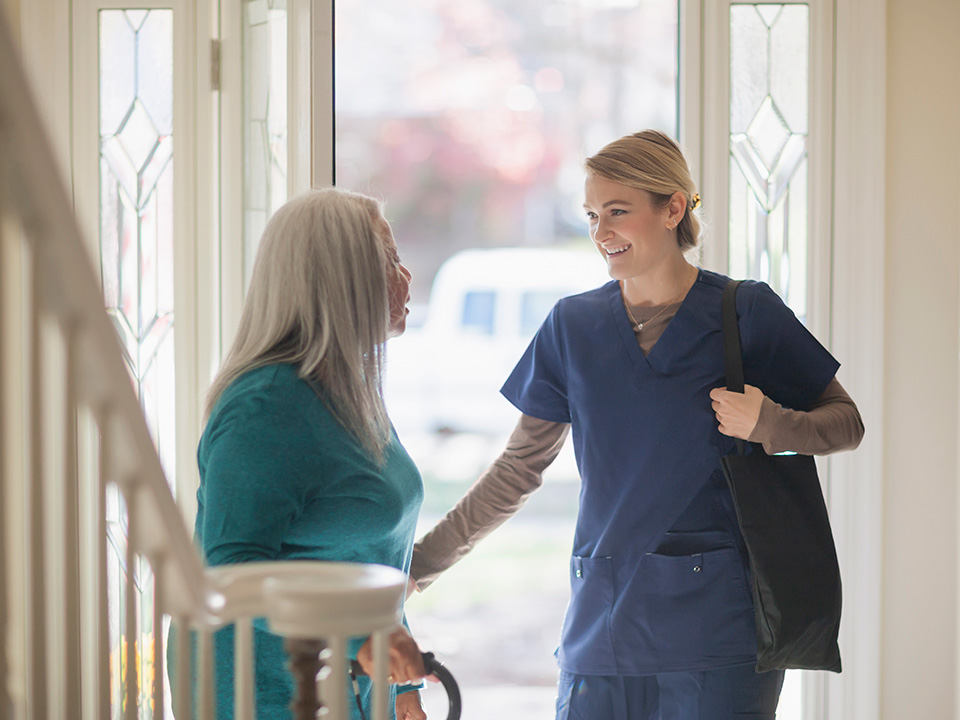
[658,572]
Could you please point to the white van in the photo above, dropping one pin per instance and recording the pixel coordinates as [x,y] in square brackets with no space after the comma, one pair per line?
[485,306]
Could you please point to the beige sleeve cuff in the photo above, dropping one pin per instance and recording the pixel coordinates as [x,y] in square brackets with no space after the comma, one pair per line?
[496,496]
[831,425]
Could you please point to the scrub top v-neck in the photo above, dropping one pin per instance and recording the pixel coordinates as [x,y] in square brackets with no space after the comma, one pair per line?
[658,577]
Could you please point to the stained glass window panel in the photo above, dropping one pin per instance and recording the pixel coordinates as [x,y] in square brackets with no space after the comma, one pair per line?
[136,260]
[769,108]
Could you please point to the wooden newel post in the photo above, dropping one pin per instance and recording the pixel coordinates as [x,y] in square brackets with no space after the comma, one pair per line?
[305,666]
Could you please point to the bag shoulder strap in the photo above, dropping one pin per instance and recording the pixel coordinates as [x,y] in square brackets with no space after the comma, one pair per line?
[731,338]
[731,343]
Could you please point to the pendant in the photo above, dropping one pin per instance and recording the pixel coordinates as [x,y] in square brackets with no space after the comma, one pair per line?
[638,327]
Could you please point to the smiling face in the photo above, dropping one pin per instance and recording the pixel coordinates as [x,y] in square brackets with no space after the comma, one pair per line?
[631,233]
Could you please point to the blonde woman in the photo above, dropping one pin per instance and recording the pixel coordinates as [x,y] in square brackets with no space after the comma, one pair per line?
[298,460]
[660,622]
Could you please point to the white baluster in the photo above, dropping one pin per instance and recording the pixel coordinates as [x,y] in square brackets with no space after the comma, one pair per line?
[243,670]
[37,603]
[335,685]
[103,618]
[6,710]
[380,670]
[131,687]
[159,665]
[71,527]
[181,703]
[205,682]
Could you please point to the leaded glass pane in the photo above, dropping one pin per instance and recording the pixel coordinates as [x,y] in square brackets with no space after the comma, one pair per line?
[118,80]
[154,60]
[790,66]
[769,103]
[136,260]
[749,65]
[264,118]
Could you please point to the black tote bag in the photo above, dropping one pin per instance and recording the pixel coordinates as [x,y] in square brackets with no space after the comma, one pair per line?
[793,561]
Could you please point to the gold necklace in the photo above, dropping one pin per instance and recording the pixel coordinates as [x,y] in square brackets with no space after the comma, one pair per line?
[638,326]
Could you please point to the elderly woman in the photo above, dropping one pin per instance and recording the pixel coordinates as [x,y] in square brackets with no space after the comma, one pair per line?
[298,459]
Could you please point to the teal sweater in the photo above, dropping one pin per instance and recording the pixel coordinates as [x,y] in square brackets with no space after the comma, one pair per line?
[281,479]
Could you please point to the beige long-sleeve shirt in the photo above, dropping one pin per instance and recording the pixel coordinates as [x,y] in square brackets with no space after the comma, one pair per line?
[831,425]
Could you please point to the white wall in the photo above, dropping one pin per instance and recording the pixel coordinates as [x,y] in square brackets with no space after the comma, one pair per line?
[922,318]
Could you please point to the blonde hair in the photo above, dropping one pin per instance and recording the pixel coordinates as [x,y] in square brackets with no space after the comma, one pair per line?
[649,160]
[318,299]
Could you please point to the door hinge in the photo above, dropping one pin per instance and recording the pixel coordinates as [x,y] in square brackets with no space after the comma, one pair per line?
[215,64]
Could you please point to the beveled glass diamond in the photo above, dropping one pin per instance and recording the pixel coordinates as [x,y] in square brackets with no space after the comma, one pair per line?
[139,135]
[768,133]
[769,13]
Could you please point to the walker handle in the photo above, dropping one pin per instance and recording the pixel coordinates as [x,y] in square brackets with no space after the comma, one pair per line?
[436,668]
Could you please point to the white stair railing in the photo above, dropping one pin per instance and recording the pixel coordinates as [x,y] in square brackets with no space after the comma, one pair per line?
[74,373]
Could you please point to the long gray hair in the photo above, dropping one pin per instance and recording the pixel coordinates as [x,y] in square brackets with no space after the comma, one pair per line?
[318,299]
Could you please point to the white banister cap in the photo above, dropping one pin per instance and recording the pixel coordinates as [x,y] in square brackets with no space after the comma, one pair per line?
[310,599]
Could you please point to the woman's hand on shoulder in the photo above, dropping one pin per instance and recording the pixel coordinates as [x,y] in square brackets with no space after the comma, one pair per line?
[409,706]
[737,413]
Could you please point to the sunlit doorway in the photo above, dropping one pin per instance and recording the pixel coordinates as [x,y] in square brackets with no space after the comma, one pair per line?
[471,119]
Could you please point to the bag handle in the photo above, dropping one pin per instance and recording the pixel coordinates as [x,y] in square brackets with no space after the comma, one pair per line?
[731,343]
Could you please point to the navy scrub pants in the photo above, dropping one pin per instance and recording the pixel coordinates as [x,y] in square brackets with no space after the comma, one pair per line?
[722,694]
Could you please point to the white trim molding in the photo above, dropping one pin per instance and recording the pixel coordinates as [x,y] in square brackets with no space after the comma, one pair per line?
[690,93]
[322,94]
[857,339]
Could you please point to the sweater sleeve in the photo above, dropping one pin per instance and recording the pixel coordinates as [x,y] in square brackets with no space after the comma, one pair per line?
[495,497]
[831,425]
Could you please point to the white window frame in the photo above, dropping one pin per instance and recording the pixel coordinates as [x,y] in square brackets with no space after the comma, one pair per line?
[310,117]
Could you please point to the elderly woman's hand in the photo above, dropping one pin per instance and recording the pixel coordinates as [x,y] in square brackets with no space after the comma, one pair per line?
[409,706]
[737,413]
[405,660]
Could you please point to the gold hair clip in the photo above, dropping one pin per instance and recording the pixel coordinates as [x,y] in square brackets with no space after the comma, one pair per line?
[695,201]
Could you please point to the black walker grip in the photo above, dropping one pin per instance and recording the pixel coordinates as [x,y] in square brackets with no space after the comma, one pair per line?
[436,668]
